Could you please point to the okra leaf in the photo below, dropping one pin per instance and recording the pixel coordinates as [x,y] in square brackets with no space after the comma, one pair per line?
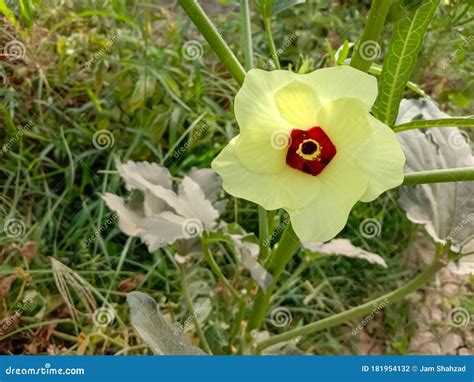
[406,43]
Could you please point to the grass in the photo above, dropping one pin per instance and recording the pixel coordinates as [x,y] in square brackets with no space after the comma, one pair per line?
[120,68]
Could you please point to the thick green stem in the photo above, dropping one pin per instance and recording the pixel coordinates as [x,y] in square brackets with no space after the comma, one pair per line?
[212,36]
[287,246]
[439,176]
[271,43]
[356,312]
[444,122]
[246,33]
[368,48]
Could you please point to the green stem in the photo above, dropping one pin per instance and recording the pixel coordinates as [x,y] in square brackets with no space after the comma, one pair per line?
[371,35]
[271,43]
[287,246]
[440,176]
[356,312]
[246,33]
[443,122]
[212,36]
[215,268]
[189,302]
[237,327]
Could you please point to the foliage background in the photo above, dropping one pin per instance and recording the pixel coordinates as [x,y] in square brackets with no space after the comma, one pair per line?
[122,66]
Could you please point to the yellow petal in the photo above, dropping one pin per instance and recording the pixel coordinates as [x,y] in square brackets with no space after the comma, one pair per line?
[255,105]
[298,104]
[346,123]
[291,189]
[264,132]
[262,150]
[343,81]
[342,184]
[382,159]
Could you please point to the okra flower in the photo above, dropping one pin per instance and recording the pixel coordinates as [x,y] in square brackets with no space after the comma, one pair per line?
[308,144]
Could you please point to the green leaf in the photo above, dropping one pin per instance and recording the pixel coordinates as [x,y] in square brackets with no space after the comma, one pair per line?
[407,40]
[160,336]
[442,122]
[7,13]
[342,53]
[26,12]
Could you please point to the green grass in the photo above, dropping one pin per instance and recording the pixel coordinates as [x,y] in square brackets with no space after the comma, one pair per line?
[147,96]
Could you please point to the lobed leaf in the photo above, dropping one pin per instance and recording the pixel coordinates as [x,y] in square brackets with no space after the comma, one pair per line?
[445,209]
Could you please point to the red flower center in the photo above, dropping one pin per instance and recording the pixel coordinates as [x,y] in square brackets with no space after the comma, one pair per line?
[310,150]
